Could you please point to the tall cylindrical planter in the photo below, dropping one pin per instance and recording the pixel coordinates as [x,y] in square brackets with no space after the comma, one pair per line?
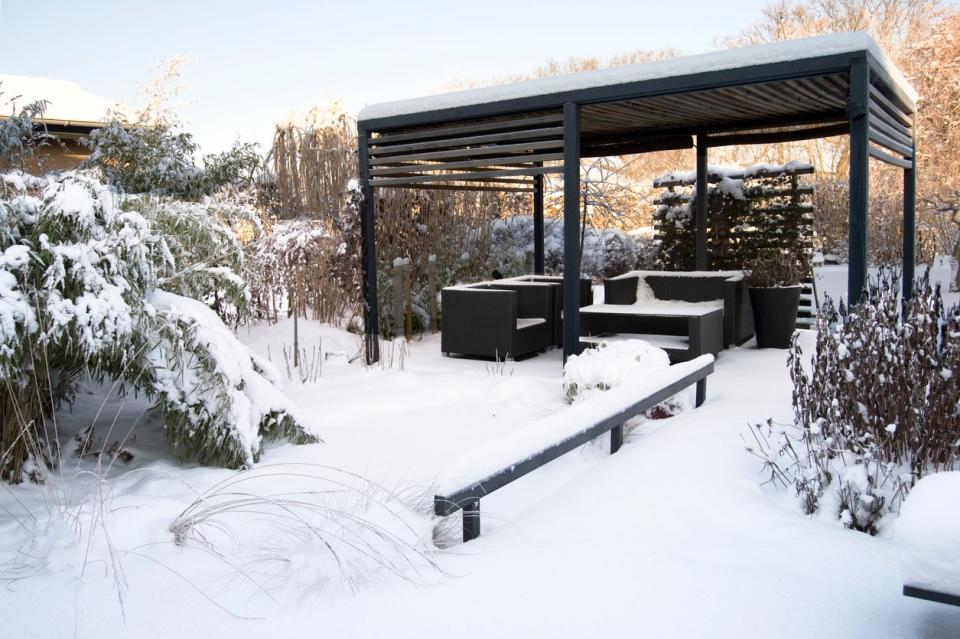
[775,315]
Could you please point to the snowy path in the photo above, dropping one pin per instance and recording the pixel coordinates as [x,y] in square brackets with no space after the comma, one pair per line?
[671,537]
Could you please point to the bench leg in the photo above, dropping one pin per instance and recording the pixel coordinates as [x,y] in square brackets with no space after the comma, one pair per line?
[701,392]
[616,438]
[471,520]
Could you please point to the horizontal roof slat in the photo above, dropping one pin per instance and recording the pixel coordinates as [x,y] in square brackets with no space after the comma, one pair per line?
[527,134]
[458,177]
[455,131]
[466,164]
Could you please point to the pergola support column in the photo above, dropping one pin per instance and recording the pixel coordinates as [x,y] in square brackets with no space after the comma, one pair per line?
[859,114]
[700,214]
[571,229]
[371,314]
[538,224]
[909,225]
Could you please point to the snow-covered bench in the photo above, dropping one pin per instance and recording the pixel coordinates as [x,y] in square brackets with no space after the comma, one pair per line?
[928,531]
[484,469]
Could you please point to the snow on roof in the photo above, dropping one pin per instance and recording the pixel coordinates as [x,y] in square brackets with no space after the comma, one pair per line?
[67,100]
[791,50]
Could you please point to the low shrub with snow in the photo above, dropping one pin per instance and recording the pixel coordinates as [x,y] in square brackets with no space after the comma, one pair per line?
[875,411]
[602,368]
[81,279]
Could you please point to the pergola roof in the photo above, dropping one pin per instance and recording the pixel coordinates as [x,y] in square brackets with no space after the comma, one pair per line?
[824,51]
[500,136]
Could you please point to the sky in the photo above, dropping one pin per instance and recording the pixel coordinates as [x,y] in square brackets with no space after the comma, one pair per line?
[254,63]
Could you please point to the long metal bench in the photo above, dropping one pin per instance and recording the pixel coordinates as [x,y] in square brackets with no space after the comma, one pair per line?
[487,468]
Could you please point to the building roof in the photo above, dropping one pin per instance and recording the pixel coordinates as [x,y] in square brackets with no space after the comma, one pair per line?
[68,103]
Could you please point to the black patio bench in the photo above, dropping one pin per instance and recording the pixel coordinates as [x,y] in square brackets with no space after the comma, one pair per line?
[484,469]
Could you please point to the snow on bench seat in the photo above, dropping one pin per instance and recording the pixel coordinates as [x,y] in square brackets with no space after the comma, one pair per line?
[663,308]
[484,462]
[928,532]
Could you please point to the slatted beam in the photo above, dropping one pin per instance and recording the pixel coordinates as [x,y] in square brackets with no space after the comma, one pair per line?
[464,177]
[468,164]
[889,159]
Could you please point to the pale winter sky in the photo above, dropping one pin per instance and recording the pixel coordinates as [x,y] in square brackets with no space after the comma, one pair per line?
[256,61]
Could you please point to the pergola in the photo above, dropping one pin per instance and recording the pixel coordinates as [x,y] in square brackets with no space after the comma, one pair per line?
[507,137]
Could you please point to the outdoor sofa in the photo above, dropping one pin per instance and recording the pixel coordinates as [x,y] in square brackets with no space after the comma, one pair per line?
[686,313]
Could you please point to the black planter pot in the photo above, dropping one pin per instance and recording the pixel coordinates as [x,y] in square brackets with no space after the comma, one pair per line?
[775,315]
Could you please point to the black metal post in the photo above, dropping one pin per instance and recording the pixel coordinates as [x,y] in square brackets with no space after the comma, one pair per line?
[538,223]
[571,229]
[858,110]
[616,438]
[700,215]
[701,392]
[471,520]
[371,315]
[909,225]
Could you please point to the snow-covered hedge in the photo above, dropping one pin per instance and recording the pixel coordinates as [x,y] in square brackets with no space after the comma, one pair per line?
[606,253]
[877,409]
[80,294]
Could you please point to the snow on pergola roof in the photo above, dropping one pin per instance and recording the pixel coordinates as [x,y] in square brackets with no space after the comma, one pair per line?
[824,46]
[68,102]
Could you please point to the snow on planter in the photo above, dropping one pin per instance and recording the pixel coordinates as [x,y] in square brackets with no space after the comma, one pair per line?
[928,532]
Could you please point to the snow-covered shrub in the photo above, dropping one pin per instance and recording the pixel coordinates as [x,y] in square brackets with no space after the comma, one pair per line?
[156,157]
[877,409]
[79,295]
[602,368]
[205,255]
[21,136]
[619,252]
[511,248]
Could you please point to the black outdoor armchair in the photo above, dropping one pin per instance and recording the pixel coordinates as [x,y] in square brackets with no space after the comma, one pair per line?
[497,320]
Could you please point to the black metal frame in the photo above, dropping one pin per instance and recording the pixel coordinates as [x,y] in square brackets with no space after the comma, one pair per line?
[508,145]
[468,497]
[931,595]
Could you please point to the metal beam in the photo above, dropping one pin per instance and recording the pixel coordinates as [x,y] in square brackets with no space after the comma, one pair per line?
[446,143]
[700,213]
[774,137]
[876,153]
[453,131]
[909,228]
[571,229]
[859,114]
[469,153]
[472,176]
[371,308]
[538,224]
[468,164]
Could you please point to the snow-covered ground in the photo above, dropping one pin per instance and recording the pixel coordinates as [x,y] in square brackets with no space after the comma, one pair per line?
[673,536]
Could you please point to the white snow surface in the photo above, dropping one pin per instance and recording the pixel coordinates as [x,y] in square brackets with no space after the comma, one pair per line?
[791,50]
[928,530]
[674,536]
[520,445]
[67,100]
